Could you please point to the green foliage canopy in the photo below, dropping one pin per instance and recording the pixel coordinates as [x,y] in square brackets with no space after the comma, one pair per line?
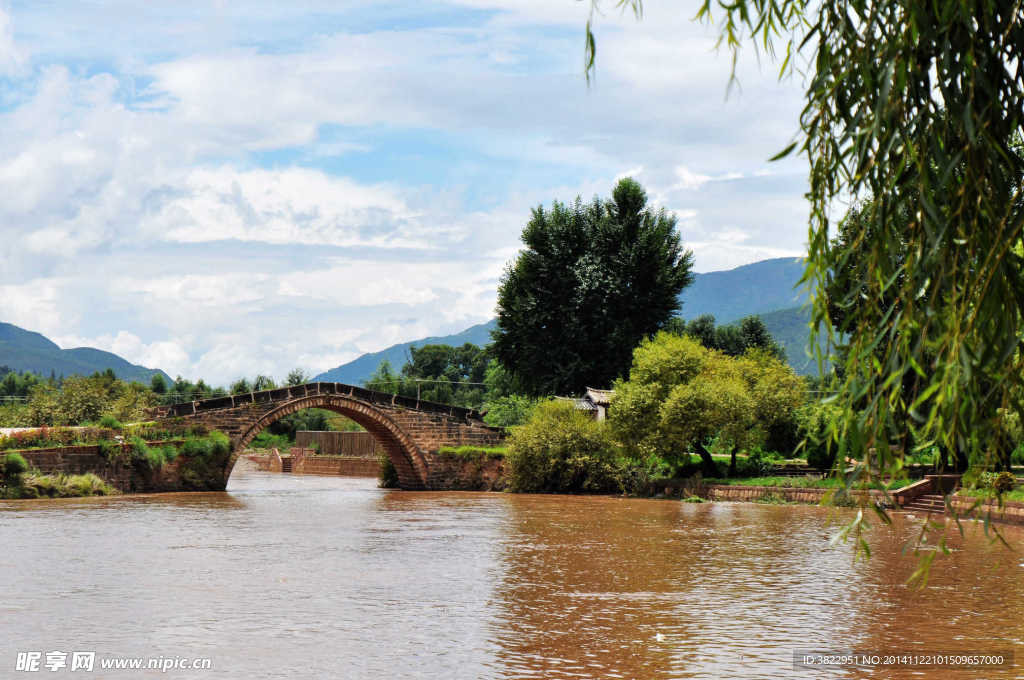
[593,281]
[680,395]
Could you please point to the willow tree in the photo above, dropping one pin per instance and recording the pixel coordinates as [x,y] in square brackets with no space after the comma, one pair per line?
[913,104]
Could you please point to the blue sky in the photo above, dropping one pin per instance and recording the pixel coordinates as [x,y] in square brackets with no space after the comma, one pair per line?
[219,190]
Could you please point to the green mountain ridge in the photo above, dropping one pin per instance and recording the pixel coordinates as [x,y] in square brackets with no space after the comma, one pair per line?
[23,350]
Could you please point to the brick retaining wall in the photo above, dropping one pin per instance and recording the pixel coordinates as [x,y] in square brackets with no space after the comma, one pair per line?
[727,492]
[342,466]
[1011,512]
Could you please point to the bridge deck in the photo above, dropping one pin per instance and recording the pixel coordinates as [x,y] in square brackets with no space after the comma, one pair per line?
[283,394]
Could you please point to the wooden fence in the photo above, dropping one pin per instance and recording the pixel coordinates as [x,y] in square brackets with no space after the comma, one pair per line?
[351,444]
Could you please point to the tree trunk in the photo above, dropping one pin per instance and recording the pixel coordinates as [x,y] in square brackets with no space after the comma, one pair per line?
[708,466]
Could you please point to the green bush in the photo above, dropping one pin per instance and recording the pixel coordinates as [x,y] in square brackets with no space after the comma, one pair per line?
[205,460]
[267,440]
[1017,457]
[815,421]
[1003,482]
[111,451]
[12,467]
[563,450]
[111,423]
[387,478]
[756,464]
[14,464]
[509,411]
[169,452]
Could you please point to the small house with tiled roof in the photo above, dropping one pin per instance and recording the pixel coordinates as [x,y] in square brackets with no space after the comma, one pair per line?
[595,402]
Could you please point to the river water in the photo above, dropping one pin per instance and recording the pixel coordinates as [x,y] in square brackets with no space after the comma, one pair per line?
[318,577]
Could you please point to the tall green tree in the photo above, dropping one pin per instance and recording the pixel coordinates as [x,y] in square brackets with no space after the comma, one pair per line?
[732,339]
[593,281]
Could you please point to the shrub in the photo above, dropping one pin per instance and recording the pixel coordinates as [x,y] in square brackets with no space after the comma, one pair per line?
[205,460]
[815,421]
[509,411]
[14,464]
[387,478]
[267,440]
[1017,457]
[12,467]
[113,452]
[111,423]
[756,464]
[1003,482]
[561,450]
[169,452]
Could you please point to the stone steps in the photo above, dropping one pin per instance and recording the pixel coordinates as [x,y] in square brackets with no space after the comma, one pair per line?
[928,503]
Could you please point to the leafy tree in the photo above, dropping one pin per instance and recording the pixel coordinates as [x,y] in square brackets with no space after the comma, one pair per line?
[157,384]
[732,339]
[438,373]
[297,376]
[307,419]
[384,378]
[241,386]
[680,395]
[509,411]
[15,385]
[263,382]
[592,282]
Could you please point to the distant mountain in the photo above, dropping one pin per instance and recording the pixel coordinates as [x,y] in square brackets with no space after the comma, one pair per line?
[23,350]
[765,288]
[755,288]
[791,328]
[358,370]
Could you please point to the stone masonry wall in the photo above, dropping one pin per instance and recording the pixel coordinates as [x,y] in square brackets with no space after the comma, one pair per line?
[125,477]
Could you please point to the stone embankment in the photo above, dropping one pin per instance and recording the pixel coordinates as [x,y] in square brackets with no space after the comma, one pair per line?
[118,471]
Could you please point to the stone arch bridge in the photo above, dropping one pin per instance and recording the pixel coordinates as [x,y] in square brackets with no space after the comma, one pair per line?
[409,430]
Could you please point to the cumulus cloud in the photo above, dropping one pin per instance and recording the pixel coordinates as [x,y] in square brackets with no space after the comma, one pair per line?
[317,190]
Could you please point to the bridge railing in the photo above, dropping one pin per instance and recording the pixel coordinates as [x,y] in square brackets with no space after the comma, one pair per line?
[314,389]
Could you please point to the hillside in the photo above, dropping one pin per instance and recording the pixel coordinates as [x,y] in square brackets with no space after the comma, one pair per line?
[23,350]
[755,288]
[358,370]
[765,288]
[791,329]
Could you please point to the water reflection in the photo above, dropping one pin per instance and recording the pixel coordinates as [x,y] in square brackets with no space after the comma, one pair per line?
[306,576]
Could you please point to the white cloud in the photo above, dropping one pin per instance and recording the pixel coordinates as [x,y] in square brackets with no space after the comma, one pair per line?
[12,57]
[240,207]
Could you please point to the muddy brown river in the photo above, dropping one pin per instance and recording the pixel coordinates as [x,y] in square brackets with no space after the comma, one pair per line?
[318,577]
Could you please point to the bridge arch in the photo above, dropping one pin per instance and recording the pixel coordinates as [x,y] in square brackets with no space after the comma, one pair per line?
[406,456]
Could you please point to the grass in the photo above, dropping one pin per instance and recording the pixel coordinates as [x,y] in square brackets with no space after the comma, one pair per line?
[470,452]
[1017,495]
[266,440]
[36,485]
